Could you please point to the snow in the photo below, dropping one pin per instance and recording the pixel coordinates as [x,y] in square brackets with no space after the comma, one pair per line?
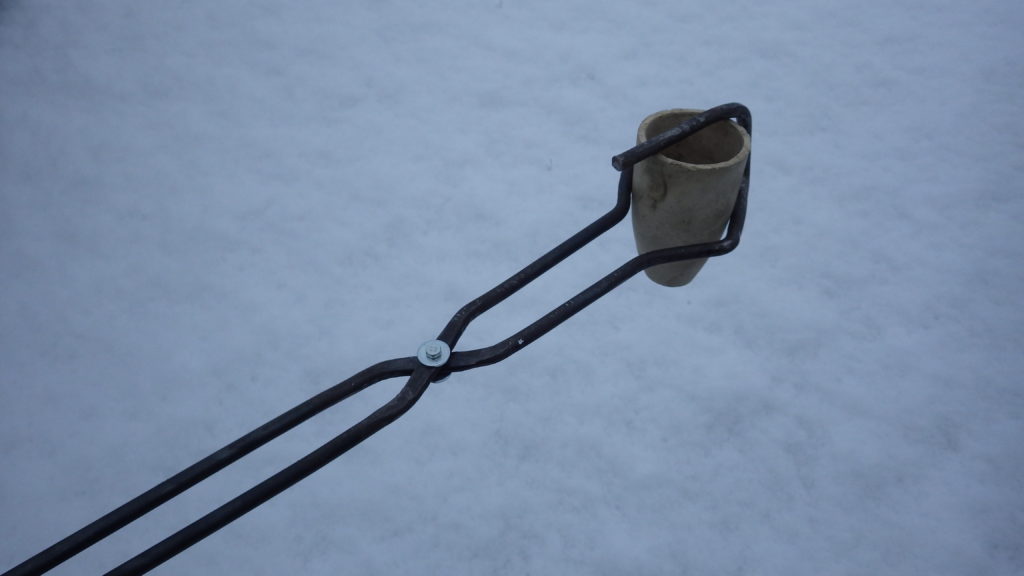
[211,211]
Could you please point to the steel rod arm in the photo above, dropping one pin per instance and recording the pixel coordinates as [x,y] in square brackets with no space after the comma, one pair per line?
[460,321]
[625,161]
[281,481]
[667,138]
[461,361]
[196,473]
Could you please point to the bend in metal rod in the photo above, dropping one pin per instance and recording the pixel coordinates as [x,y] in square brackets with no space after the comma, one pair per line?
[654,145]
[462,361]
[624,162]
[460,321]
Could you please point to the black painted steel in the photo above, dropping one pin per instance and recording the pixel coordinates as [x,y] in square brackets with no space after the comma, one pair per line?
[457,325]
[461,361]
[669,137]
[196,473]
[420,376]
[250,499]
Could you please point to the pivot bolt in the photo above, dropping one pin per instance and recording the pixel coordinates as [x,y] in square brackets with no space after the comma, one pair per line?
[432,350]
[434,353]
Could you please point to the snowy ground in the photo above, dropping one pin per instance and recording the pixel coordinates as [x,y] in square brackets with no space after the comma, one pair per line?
[209,211]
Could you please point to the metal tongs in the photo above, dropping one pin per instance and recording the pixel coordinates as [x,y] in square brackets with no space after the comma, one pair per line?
[434,361]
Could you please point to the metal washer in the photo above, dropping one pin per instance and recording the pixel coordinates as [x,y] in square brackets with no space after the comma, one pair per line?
[434,353]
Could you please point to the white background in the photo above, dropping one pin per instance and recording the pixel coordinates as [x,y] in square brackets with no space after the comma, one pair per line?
[210,211]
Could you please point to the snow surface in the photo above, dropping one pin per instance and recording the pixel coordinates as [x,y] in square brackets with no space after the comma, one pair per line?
[210,211]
